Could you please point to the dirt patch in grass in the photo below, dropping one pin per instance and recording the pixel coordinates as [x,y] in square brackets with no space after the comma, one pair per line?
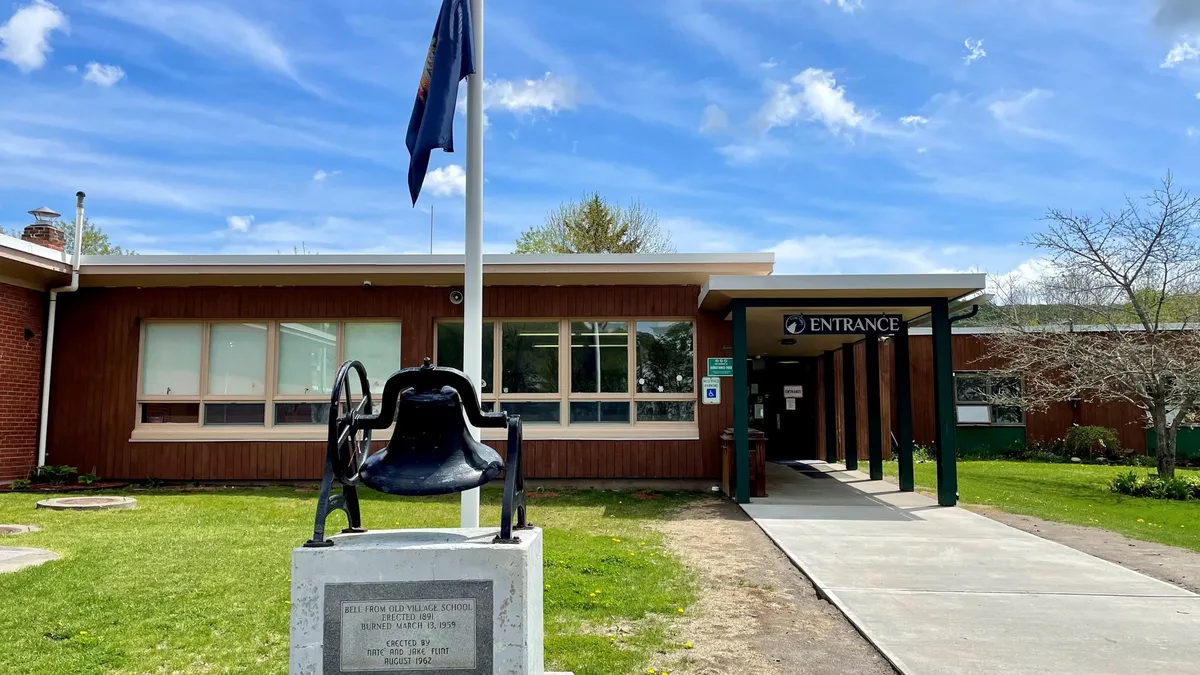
[755,613]
[1174,565]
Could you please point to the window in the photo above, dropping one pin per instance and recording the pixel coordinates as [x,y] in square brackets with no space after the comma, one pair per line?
[257,373]
[985,398]
[584,372]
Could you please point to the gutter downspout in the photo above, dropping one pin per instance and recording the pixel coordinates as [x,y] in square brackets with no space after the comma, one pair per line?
[968,315]
[49,354]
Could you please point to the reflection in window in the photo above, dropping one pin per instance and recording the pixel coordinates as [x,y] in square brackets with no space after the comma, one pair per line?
[984,398]
[237,359]
[245,414]
[450,350]
[533,412]
[666,411]
[599,357]
[664,357]
[307,358]
[171,359]
[301,413]
[529,355]
[377,347]
[170,413]
[599,412]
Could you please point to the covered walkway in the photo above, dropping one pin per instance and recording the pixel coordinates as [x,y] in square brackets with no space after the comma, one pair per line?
[950,591]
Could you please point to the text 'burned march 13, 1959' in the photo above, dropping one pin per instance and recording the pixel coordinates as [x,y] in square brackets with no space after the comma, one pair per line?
[842,324]
[408,635]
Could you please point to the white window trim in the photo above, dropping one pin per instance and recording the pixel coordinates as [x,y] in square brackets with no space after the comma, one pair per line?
[268,430]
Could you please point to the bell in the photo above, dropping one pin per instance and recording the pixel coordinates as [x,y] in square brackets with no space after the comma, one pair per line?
[431,451]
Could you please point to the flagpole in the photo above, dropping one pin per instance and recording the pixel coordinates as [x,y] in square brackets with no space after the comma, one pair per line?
[473,261]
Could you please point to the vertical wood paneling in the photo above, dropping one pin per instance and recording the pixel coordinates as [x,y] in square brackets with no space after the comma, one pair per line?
[93,397]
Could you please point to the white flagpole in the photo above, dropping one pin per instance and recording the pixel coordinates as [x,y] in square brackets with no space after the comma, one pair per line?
[473,262]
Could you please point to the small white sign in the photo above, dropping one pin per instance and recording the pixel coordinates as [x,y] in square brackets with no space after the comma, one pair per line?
[758,411]
[790,403]
[710,388]
[793,391]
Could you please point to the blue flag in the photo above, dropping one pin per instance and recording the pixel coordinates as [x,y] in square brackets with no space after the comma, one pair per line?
[451,58]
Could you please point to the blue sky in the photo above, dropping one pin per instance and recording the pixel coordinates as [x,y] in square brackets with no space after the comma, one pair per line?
[846,136]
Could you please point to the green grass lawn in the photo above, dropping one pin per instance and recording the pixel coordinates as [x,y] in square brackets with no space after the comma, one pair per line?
[1071,493]
[198,582]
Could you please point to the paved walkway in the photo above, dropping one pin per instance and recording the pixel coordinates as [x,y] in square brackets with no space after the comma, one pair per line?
[944,590]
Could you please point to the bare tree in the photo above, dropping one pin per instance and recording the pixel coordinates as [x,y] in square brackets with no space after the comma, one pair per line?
[1113,315]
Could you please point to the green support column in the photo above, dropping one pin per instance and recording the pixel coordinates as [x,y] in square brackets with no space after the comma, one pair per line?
[904,425]
[874,410]
[741,405]
[943,396]
[850,413]
[829,384]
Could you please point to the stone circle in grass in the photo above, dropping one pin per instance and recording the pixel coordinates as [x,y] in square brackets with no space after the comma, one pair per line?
[18,529]
[88,503]
[14,558]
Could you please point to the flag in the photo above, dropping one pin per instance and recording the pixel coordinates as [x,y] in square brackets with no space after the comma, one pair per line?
[451,58]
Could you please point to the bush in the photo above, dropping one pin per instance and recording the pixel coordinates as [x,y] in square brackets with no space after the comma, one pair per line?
[20,484]
[55,475]
[88,478]
[1179,488]
[1140,460]
[922,454]
[1091,441]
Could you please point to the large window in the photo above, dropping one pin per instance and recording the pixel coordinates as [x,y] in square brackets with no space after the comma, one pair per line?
[255,373]
[584,372]
[983,398]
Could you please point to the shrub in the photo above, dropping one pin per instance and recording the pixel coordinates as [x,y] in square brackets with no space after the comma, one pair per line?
[1179,488]
[1090,441]
[1140,460]
[88,478]
[55,475]
[922,454]
[20,484]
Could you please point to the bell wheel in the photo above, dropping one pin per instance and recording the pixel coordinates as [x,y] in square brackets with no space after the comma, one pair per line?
[349,439]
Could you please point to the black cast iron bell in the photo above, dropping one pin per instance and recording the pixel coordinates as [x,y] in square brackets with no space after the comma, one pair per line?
[432,451]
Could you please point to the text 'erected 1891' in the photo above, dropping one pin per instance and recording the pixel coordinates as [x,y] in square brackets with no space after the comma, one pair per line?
[408,635]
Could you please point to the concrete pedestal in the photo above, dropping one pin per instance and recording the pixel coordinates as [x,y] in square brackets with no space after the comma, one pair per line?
[418,602]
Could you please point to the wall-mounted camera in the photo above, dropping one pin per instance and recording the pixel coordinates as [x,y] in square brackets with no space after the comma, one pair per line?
[367,283]
[456,297]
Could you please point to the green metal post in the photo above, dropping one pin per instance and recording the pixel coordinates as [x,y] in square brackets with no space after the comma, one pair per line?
[829,384]
[874,410]
[741,405]
[849,415]
[904,423]
[943,395]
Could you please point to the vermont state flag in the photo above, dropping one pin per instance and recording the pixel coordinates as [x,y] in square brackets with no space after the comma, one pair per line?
[451,58]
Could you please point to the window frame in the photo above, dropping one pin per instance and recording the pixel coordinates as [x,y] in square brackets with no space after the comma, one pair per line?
[990,377]
[565,396]
[270,396]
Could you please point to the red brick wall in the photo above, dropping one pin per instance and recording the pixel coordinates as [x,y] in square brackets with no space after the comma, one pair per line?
[20,378]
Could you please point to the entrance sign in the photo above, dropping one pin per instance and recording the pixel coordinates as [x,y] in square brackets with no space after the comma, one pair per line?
[720,367]
[842,324]
[711,388]
[793,391]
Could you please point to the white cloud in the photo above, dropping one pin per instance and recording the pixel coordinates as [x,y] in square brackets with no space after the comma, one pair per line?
[1192,132]
[714,119]
[768,64]
[103,75]
[25,37]
[239,223]
[914,121]
[72,68]
[447,180]
[322,174]
[815,95]
[551,93]
[1183,50]
[847,6]
[1008,112]
[975,51]
[207,28]
[922,150]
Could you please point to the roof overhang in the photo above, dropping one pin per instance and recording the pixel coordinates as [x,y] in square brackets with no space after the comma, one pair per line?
[769,299]
[417,270]
[26,264]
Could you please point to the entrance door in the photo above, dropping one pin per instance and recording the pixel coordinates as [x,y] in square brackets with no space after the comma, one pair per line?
[788,387]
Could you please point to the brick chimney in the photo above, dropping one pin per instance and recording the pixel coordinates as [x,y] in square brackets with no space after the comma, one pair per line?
[43,231]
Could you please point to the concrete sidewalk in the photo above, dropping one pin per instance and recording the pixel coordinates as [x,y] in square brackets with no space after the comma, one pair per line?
[944,590]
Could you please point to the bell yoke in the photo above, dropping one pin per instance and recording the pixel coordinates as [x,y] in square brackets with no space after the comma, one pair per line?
[432,452]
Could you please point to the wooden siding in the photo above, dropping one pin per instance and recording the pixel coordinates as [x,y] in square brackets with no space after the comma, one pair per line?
[860,401]
[93,397]
[970,353]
